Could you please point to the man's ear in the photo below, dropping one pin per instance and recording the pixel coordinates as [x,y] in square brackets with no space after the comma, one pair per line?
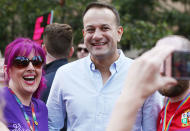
[120,33]
[83,32]
[44,48]
[71,52]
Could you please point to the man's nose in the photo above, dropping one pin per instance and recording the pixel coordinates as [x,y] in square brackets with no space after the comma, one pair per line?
[97,34]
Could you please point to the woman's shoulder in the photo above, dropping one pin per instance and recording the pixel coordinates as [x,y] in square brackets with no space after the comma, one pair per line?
[6,95]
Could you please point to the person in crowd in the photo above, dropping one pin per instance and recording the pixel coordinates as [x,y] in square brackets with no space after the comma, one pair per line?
[57,39]
[176,113]
[87,89]
[2,121]
[24,60]
[82,51]
[143,79]
[3,127]
[2,75]
[174,116]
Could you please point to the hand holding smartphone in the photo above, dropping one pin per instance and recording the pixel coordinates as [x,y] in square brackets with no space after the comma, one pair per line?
[180,65]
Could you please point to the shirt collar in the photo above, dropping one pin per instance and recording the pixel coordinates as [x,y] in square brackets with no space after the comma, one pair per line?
[116,65]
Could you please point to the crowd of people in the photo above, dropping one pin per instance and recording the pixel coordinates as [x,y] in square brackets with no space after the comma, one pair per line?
[101,91]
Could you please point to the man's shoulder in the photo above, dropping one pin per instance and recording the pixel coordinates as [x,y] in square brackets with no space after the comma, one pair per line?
[123,56]
[50,75]
[156,98]
[123,63]
[54,65]
[127,60]
[74,65]
[124,59]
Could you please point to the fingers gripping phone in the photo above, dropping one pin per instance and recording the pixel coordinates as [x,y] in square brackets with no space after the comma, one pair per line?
[180,65]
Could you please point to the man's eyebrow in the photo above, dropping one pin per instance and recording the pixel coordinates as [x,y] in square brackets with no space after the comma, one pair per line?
[105,25]
[93,26]
[89,26]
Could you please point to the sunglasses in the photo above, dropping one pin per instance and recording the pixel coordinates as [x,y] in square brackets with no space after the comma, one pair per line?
[22,62]
[84,49]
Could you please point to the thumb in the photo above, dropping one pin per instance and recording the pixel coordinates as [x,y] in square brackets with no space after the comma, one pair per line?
[167,82]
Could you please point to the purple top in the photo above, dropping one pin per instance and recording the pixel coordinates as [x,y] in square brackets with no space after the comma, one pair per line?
[15,117]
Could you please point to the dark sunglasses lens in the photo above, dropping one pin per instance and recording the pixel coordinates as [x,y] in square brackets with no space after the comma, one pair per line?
[84,49]
[79,49]
[37,61]
[21,62]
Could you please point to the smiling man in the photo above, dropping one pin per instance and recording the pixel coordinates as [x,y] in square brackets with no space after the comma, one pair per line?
[87,89]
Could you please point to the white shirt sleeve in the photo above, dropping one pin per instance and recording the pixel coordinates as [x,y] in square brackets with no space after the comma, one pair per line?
[55,104]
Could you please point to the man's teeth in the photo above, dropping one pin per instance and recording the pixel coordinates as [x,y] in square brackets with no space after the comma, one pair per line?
[99,44]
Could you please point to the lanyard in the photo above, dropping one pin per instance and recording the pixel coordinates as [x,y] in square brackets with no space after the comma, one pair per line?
[166,128]
[34,128]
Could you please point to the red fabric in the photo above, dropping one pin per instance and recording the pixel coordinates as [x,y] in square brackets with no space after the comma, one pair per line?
[176,123]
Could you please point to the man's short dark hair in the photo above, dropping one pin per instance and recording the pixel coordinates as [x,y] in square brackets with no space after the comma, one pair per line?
[103,5]
[81,41]
[58,39]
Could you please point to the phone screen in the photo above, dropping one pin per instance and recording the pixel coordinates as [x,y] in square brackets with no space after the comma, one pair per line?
[181,65]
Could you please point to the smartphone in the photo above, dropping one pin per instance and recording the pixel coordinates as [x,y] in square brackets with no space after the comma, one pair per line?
[180,65]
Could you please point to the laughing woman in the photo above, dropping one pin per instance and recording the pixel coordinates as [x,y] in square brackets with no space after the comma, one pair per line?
[23,111]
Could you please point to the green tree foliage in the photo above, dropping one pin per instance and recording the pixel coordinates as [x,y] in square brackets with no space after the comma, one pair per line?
[144,21]
[178,19]
[142,28]
[17,18]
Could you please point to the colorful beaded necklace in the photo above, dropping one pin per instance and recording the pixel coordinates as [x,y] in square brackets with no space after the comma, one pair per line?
[34,123]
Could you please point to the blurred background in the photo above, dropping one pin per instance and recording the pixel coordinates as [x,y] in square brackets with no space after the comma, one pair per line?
[144,21]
